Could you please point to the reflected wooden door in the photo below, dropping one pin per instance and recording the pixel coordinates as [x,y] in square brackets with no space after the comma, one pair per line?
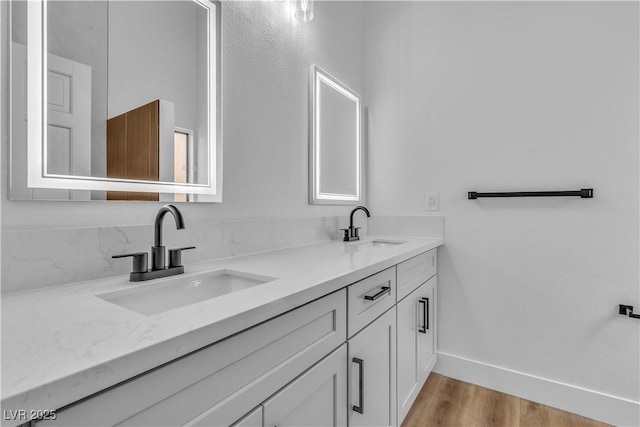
[133,149]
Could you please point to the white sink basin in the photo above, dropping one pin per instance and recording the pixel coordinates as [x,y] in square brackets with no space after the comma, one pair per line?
[382,243]
[155,298]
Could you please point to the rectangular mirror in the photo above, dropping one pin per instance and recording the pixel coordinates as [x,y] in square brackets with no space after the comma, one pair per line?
[116,100]
[335,143]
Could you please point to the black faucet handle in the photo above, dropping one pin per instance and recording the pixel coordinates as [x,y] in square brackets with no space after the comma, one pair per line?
[175,256]
[140,261]
[346,234]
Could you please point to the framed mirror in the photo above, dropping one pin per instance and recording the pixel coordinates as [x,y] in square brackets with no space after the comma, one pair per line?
[335,149]
[116,100]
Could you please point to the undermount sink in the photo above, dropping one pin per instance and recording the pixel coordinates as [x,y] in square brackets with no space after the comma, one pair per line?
[383,243]
[155,298]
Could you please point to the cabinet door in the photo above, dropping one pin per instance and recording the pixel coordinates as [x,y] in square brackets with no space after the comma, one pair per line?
[317,398]
[416,343]
[372,373]
[428,338]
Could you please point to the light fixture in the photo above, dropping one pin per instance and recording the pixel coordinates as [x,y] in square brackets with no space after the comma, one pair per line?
[304,10]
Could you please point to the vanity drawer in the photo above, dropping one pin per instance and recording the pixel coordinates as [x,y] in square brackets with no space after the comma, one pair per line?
[369,298]
[223,381]
[415,271]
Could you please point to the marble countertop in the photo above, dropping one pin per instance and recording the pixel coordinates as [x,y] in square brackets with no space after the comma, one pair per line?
[64,343]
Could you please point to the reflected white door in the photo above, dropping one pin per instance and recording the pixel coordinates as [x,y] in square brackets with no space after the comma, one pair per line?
[69,123]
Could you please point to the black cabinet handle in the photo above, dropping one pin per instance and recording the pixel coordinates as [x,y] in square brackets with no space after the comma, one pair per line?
[359,408]
[140,261]
[425,315]
[383,290]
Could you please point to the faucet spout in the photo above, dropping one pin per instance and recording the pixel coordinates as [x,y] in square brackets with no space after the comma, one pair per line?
[357,208]
[157,240]
[157,250]
[351,233]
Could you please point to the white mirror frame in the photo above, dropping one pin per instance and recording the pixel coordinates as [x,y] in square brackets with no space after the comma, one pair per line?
[319,76]
[37,176]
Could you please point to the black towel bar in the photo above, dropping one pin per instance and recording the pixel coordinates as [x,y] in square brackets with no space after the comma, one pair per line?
[585,193]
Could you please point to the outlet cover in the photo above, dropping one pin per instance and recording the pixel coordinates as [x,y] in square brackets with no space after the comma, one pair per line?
[431,201]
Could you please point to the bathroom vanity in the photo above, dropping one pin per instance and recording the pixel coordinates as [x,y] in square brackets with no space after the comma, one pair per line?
[332,333]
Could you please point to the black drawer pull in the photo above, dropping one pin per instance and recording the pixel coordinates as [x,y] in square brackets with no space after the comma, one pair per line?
[359,408]
[425,315]
[383,290]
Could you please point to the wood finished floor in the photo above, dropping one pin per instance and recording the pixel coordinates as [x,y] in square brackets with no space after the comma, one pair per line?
[447,402]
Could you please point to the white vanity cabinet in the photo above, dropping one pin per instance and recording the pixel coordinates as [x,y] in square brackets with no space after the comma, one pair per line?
[372,350]
[416,343]
[417,332]
[221,383]
[357,356]
[317,398]
[372,373]
[415,271]
[369,298]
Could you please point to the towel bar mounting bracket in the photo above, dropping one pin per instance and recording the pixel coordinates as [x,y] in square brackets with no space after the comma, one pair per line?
[627,310]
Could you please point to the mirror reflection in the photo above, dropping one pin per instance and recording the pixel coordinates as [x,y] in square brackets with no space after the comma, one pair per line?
[127,95]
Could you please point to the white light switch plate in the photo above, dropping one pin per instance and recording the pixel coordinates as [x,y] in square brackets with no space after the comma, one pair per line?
[431,201]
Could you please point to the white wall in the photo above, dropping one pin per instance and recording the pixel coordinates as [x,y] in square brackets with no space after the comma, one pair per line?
[482,96]
[266,61]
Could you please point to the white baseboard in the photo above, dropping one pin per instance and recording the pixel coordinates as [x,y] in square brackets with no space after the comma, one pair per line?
[588,403]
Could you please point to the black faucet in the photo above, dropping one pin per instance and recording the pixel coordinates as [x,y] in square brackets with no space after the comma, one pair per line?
[351,233]
[157,250]
[159,268]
